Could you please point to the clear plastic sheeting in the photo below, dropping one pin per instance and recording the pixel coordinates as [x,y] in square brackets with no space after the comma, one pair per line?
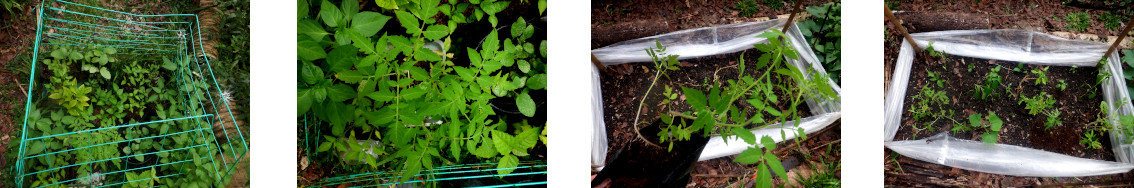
[735,145]
[1014,45]
[717,40]
[1002,159]
[689,43]
[1020,46]
[598,133]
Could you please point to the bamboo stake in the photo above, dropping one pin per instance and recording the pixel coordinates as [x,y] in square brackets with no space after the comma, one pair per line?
[598,64]
[898,24]
[798,5]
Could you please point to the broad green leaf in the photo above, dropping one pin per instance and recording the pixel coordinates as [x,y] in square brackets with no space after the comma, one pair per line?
[523,65]
[369,23]
[381,117]
[493,8]
[538,81]
[749,156]
[694,97]
[465,73]
[302,9]
[401,44]
[349,8]
[528,139]
[412,93]
[340,92]
[474,57]
[310,73]
[542,6]
[989,137]
[324,147]
[500,140]
[428,8]
[312,29]
[342,58]
[543,48]
[330,14]
[525,104]
[995,121]
[408,21]
[764,177]
[168,65]
[517,28]
[387,4]
[506,164]
[974,120]
[105,73]
[491,43]
[309,50]
[435,32]
[338,129]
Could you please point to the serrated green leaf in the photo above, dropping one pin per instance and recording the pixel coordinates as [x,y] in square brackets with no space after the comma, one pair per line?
[412,167]
[769,144]
[745,135]
[310,73]
[507,164]
[409,22]
[342,58]
[774,164]
[351,76]
[412,93]
[425,54]
[694,97]
[749,156]
[525,104]
[491,43]
[435,32]
[763,177]
[465,73]
[501,142]
[382,96]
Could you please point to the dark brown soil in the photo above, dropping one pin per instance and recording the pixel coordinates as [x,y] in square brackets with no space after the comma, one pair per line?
[1020,128]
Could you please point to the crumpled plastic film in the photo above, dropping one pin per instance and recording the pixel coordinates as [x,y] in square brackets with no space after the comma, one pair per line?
[1014,45]
[598,134]
[1001,158]
[720,148]
[689,43]
[717,40]
[1117,97]
[1020,46]
[896,94]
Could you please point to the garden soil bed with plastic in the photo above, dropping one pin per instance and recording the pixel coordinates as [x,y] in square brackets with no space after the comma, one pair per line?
[1079,108]
[623,86]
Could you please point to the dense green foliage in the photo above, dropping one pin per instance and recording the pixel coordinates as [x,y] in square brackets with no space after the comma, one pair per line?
[412,91]
[1078,21]
[824,30]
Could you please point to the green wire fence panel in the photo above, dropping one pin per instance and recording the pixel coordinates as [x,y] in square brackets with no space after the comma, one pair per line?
[123,100]
[462,175]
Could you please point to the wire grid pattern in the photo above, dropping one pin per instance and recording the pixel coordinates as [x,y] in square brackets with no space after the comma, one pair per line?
[176,36]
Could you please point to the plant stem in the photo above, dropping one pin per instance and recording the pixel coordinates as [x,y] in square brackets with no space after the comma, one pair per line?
[638,115]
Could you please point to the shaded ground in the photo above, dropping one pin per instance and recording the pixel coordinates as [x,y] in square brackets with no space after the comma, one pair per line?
[1044,16]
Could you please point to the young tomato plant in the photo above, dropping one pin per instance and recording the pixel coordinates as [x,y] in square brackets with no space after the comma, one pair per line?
[716,112]
[991,122]
[988,89]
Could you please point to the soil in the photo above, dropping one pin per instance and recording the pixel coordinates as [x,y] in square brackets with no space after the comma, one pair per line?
[1020,128]
[16,34]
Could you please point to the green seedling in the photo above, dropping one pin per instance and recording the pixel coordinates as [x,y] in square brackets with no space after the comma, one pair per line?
[991,122]
[1041,75]
[988,89]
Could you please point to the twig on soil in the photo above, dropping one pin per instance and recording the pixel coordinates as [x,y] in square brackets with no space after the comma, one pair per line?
[17,82]
[719,175]
[717,78]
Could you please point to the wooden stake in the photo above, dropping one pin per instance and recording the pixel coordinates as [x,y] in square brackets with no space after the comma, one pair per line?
[1121,35]
[597,63]
[787,25]
[898,24]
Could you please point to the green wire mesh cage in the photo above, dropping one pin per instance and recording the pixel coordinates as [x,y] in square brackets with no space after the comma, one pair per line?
[117,99]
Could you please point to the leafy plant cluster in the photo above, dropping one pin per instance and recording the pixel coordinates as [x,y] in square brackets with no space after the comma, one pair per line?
[719,111]
[991,124]
[1078,21]
[930,105]
[94,87]
[406,97]
[824,29]
[988,89]
[9,5]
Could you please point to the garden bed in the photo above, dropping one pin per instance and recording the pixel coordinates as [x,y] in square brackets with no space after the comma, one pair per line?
[1078,103]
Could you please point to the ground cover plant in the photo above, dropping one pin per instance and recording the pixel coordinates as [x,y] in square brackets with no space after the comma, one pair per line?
[409,86]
